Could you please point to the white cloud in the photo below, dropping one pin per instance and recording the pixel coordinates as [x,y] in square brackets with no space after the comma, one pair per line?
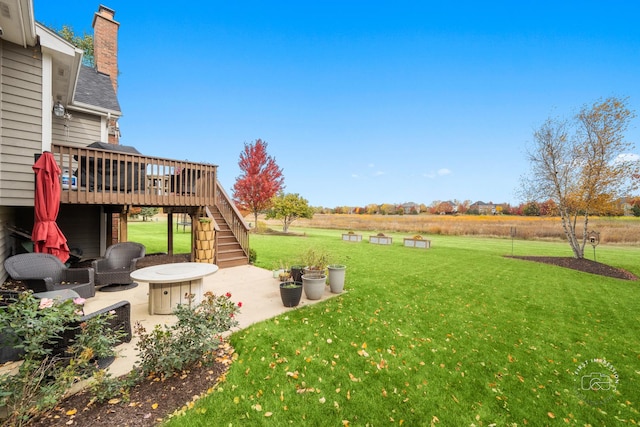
[378,173]
[439,172]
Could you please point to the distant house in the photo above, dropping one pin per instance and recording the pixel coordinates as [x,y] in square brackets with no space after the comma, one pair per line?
[410,208]
[482,208]
[49,101]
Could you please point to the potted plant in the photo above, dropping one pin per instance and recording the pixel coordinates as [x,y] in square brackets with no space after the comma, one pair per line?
[336,277]
[279,268]
[315,261]
[284,276]
[314,278]
[290,293]
[296,272]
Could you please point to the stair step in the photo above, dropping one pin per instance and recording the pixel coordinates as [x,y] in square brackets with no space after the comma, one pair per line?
[229,251]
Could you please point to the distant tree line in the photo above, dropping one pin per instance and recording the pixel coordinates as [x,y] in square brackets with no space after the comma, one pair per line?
[628,206]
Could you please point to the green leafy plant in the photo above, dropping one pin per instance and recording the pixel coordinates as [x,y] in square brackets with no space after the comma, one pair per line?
[97,339]
[197,333]
[48,368]
[104,386]
[290,285]
[315,260]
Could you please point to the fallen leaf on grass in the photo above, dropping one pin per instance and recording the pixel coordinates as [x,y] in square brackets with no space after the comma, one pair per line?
[72,411]
[353,377]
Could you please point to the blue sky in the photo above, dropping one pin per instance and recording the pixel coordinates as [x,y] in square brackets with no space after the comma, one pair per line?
[365,101]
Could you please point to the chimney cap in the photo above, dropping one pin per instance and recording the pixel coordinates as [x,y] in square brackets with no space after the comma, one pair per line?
[105,13]
[104,8]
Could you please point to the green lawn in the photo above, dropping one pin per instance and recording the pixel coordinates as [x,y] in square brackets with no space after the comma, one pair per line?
[153,234]
[456,335]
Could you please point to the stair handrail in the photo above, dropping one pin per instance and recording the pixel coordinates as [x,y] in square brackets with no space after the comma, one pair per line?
[234,218]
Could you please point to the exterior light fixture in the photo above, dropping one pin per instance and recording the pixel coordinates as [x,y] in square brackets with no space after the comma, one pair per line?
[58,109]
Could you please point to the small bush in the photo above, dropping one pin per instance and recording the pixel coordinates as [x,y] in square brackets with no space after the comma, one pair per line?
[167,350]
[47,370]
[105,387]
[261,227]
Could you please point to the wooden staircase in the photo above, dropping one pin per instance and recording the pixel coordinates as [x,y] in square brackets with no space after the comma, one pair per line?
[232,233]
[229,252]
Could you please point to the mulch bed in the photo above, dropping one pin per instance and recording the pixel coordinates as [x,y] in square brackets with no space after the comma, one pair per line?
[585,265]
[149,403]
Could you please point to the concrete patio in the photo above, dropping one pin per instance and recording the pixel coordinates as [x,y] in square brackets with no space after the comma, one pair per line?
[254,287]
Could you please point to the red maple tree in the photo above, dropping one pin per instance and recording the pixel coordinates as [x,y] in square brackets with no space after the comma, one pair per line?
[260,181]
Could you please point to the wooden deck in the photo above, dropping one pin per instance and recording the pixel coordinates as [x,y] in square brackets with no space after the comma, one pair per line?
[118,177]
[104,177]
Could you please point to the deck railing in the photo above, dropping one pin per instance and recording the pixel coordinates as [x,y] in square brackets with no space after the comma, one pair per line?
[96,176]
[233,218]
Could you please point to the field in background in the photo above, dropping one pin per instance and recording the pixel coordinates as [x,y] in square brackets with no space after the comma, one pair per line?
[624,231]
[615,230]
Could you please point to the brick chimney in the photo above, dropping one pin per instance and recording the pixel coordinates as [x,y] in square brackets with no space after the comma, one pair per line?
[105,43]
[105,55]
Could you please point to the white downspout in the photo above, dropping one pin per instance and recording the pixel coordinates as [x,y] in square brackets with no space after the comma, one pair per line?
[47,102]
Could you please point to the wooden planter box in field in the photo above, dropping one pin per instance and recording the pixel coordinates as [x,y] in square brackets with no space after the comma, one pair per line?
[417,243]
[350,237]
[380,240]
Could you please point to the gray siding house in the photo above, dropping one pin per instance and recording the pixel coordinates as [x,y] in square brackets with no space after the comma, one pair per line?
[50,101]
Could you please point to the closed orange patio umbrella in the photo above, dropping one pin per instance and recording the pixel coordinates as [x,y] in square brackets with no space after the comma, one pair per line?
[46,236]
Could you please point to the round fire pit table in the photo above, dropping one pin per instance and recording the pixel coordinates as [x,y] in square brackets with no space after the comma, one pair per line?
[173,284]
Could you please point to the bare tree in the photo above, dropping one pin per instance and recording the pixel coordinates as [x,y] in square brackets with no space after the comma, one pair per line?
[583,166]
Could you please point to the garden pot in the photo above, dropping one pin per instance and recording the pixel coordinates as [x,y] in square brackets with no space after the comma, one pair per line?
[336,277]
[290,293]
[313,285]
[296,273]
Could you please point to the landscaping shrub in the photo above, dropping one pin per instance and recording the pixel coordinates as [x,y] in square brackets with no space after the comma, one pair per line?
[47,370]
[169,349]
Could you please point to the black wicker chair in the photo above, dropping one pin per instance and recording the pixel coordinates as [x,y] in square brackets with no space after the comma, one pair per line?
[120,321]
[45,273]
[113,271]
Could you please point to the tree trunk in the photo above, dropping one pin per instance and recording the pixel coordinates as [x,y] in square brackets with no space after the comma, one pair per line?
[569,227]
